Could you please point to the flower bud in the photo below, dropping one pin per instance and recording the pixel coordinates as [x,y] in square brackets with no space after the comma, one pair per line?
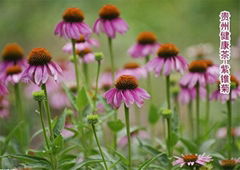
[92,119]
[98,56]
[38,95]
[167,113]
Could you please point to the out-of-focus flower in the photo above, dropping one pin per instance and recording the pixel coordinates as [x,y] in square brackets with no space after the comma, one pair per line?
[197,74]
[235,91]
[127,91]
[135,134]
[86,55]
[229,164]
[187,94]
[235,50]
[81,44]
[66,133]
[192,160]
[72,26]
[200,51]
[109,22]
[3,88]
[100,108]
[222,132]
[4,107]
[167,61]
[133,69]
[105,80]
[12,54]
[40,67]
[13,74]
[212,69]
[146,45]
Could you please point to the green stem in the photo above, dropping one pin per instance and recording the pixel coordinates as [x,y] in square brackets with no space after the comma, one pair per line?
[85,71]
[43,126]
[111,57]
[96,89]
[229,128]
[47,108]
[126,109]
[207,104]
[197,112]
[75,60]
[168,92]
[149,80]
[99,146]
[169,143]
[190,117]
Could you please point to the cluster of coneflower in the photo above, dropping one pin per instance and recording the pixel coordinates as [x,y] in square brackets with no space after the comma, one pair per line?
[121,86]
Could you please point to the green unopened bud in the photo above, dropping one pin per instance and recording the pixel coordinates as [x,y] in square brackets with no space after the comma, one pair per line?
[167,113]
[38,95]
[98,56]
[175,91]
[92,119]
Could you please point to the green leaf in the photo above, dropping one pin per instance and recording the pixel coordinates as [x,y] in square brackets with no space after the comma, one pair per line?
[70,96]
[154,115]
[87,162]
[57,144]
[60,124]
[83,99]
[115,125]
[192,147]
[145,164]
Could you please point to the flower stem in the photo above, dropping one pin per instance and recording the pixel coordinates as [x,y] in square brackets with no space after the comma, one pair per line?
[149,80]
[85,71]
[169,143]
[96,89]
[168,92]
[47,108]
[207,104]
[126,109]
[99,146]
[111,57]
[190,117]
[75,60]
[229,128]
[197,112]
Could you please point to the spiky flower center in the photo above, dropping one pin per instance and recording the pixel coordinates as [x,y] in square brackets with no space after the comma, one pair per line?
[208,62]
[190,158]
[146,38]
[12,52]
[73,15]
[228,164]
[131,65]
[80,40]
[15,69]
[82,53]
[109,12]
[198,67]
[39,56]
[125,82]
[167,50]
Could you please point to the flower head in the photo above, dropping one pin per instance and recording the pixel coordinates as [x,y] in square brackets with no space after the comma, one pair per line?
[127,91]
[133,69]
[72,26]
[197,75]
[222,132]
[167,61]
[109,22]
[13,74]
[146,45]
[81,44]
[12,54]
[229,164]
[105,80]
[41,67]
[86,55]
[192,160]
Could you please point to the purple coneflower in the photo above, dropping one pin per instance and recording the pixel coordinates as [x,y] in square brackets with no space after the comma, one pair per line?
[3,88]
[126,90]
[81,44]
[72,26]
[105,80]
[13,74]
[133,69]
[192,160]
[110,22]
[12,54]
[41,67]
[86,55]
[229,164]
[167,61]
[212,70]
[222,132]
[235,91]
[4,110]
[146,45]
